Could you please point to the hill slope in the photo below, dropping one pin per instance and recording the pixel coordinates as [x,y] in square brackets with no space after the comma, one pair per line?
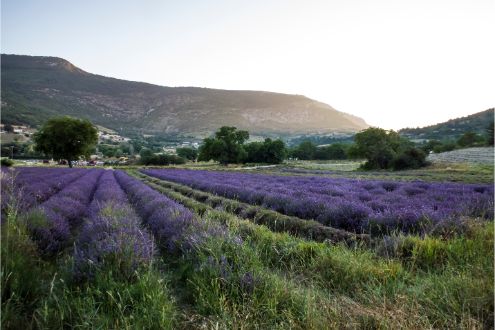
[35,88]
[453,128]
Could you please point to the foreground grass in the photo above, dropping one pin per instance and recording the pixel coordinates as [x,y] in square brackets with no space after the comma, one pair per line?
[41,293]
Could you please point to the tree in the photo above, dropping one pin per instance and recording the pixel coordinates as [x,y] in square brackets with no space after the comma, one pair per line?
[386,149]
[410,157]
[148,157]
[305,150]
[274,152]
[187,153]
[8,128]
[489,133]
[378,146]
[226,147]
[66,138]
[269,151]
[333,151]
[254,152]
[469,139]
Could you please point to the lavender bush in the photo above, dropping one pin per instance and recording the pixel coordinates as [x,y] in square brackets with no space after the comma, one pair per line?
[31,186]
[351,204]
[51,222]
[175,227]
[111,237]
[167,220]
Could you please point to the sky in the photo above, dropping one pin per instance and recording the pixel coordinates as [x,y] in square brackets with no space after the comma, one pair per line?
[394,63]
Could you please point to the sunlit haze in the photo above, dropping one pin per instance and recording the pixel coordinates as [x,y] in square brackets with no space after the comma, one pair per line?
[394,63]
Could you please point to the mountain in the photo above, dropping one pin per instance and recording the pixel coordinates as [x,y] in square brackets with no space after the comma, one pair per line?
[35,88]
[453,128]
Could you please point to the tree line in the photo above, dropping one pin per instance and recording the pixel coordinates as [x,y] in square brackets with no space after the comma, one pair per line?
[69,138]
[382,150]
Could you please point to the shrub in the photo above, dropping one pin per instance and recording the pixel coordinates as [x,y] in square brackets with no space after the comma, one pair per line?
[470,139]
[333,151]
[7,162]
[149,158]
[409,158]
[187,153]
[387,150]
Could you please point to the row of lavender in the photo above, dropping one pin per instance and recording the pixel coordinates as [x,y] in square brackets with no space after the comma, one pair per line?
[111,235]
[351,204]
[179,232]
[30,186]
[91,210]
[85,207]
[52,222]
[175,227]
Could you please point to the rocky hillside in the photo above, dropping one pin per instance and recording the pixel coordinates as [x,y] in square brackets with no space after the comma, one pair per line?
[36,88]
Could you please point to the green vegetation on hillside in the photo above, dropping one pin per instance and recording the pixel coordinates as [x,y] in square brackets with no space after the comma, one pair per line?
[454,128]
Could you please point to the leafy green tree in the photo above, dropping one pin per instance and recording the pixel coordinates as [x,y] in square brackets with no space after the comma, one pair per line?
[489,133]
[333,151]
[378,146]
[66,138]
[226,147]
[106,150]
[187,153]
[146,156]
[274,151]
[431,145]
[254,152]
[119,153]
[8,128]
[386,149]
[409,157]
[305,150]
[469,139]
[270,151]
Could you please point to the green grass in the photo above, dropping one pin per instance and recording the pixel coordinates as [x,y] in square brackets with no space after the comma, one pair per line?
[24,275]
[107,303]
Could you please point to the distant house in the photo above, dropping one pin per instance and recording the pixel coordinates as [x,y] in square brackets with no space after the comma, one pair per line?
[169,150]
[112,137]
[16,129]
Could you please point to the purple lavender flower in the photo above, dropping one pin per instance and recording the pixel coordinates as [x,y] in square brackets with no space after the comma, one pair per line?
[111,236]
[51,222]
[351,204]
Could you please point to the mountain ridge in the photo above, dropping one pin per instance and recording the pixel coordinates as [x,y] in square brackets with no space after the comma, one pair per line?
[453,128]
[35,88]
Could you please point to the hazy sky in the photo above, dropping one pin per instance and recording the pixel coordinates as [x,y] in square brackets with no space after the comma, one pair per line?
[394,63]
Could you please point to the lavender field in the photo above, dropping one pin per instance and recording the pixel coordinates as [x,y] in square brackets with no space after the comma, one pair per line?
[99,248]
[354,205]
